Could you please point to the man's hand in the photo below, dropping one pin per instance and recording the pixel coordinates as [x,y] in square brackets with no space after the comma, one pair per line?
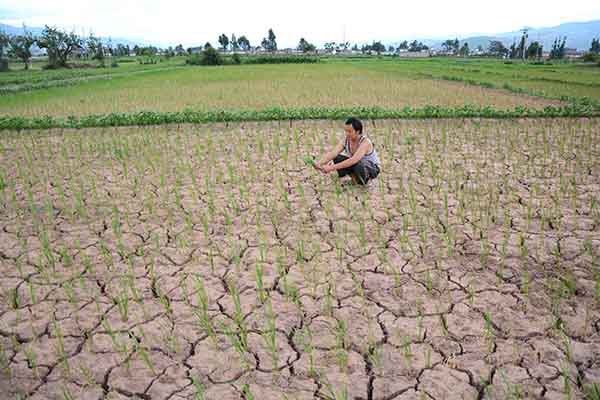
[327,168]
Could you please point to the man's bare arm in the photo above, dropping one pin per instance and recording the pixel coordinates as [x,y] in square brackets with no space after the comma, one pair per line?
[331,154]
[358,155]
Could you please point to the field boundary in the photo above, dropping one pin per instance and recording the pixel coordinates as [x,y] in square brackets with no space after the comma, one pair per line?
[584,101]
[14,88]
[278,114]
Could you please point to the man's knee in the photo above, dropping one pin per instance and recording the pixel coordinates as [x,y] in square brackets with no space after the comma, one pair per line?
[359,167]
[339,158]
[361,172]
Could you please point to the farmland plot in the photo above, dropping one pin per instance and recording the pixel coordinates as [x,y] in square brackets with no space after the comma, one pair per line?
[255,87]
[210,261]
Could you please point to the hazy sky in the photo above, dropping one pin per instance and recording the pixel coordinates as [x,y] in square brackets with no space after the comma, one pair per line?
[195,22]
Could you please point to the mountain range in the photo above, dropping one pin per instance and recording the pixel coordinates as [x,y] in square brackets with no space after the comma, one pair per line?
[579,36]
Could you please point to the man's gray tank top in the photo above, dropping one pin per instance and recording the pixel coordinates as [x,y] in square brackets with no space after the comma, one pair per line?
[372,156]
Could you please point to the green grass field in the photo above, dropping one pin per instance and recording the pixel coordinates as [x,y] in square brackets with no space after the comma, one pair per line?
[390,83]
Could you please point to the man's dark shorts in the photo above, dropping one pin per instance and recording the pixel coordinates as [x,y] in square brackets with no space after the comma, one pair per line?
[364,169]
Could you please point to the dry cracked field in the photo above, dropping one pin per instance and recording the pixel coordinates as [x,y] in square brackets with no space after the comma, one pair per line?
[209,262]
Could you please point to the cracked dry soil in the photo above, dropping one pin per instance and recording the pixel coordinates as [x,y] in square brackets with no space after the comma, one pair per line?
[208,261]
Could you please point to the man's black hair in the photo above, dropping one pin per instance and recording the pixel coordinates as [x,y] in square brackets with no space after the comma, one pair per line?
[356,124]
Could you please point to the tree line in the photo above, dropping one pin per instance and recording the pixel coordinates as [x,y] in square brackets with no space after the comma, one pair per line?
[268,43]
[535,50]
[60,45]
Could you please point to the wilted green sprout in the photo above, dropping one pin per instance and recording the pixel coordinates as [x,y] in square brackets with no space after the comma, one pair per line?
[310,160]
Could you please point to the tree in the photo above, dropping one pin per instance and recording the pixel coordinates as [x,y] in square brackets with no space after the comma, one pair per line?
[59,45]
[207,46]
[305,46]
[451,46]
[497,48]
[209,56]
[513,51]
[234,43]
[244,43]
[272,40]
[224,41]
[96,48]
[595,47]
[269,43]
[149,51]
[122,50]
[402,46]
[21,46]
[355,47]
[464,50]
[558,49]
[522,49]
[4,43]
[179,50]
[534,50]
[417,46]
[378,47]
[329,47]
[136,50]
[447,45]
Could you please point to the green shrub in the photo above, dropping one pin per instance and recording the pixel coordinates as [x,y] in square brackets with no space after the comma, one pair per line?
[278,114]
[193,59]
[209,56]
[590,57]
[149,60]
[280,60]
